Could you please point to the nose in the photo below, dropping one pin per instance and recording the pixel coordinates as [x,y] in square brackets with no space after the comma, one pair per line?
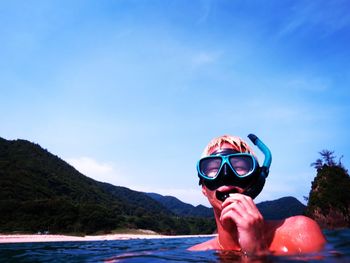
[227,176]
[226,170]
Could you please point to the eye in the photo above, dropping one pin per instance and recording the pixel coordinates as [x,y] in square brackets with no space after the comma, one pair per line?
[210,167]
[211,172]
[242,170]
[242,165]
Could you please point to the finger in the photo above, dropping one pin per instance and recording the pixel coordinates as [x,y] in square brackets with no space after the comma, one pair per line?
[249,205]
[237,208]
[231,215]
[246,202]
[242,203]
[234,205]
[240,212]
[232,198]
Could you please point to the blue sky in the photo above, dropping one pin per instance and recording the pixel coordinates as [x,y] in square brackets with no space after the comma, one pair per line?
[130,92]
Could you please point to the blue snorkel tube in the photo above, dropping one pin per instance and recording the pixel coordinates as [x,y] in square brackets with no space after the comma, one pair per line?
[266,151]
[257,187]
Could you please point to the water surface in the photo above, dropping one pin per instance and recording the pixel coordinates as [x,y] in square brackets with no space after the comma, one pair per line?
[158,250]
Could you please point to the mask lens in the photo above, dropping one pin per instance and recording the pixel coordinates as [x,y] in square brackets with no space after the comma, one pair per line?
[210,167]
[243,165]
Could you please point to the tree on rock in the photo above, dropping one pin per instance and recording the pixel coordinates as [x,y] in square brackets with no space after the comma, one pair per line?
[329,198]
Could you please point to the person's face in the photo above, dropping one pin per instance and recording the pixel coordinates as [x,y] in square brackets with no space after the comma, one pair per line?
[211,194]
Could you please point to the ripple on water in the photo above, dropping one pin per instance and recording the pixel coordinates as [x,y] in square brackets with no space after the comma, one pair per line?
[159,250]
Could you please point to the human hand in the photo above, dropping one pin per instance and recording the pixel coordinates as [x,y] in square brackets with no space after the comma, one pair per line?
[240,212]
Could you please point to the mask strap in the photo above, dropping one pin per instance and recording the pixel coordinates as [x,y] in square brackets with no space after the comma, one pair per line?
[225,151]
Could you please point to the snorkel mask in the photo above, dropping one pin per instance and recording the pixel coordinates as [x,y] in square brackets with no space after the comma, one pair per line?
[230,167]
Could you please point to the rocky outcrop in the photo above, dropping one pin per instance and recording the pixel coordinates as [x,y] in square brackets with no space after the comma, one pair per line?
[329,198]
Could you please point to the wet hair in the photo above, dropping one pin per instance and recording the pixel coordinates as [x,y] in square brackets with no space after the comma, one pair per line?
[236,142]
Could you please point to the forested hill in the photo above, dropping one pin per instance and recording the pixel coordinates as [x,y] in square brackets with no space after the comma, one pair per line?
[41,192]
[180,208]
[281,208]
[271,210]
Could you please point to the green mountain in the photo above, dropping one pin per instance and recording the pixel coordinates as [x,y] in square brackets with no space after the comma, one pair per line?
[281,208]
[41,192]
[180,208]
[271,210]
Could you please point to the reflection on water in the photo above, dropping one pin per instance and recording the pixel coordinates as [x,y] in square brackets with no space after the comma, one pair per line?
[159,250]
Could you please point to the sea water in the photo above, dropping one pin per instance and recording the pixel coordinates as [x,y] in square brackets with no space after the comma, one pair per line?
[159,250]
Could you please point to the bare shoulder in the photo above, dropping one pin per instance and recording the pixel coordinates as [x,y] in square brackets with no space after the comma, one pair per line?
[301,223]
[298,234]
[207,245]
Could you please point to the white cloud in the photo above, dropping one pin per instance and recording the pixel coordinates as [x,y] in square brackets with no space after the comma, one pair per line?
[204,58]
[205,11]
[103,172]
[306,16]
[308,83]
[106,172]
[89,166]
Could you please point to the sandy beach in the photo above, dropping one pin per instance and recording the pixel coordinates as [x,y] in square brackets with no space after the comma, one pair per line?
[64,238]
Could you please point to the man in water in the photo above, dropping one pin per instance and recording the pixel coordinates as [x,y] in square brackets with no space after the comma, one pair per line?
[231,178]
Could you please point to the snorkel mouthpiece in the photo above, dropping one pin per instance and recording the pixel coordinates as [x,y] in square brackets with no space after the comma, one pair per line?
[222,196]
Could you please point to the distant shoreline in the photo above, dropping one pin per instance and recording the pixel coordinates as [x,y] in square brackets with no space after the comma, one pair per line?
[35,238]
